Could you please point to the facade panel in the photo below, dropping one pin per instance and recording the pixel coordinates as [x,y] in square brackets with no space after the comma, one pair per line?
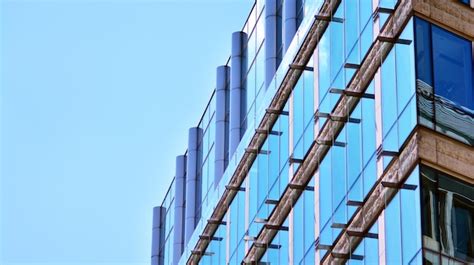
[337,173]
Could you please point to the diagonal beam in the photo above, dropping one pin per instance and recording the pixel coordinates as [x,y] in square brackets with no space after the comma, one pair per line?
[423,145]
[331,129]
[271,115]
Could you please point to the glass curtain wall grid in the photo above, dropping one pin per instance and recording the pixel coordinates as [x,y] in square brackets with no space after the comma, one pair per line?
[165,245]
[329,126]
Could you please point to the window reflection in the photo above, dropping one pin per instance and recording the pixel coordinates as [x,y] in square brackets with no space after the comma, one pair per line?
[448,218]
[445,81]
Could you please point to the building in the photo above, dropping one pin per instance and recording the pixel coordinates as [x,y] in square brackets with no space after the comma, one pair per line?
[340,131]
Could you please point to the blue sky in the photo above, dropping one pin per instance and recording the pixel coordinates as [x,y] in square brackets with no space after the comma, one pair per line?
[96,101]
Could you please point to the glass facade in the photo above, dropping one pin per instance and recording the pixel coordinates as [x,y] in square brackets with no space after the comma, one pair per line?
[167,245]
[445,82]
[448,218]
[423,77]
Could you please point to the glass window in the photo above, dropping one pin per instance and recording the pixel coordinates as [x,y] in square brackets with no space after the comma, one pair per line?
[452,66]
[444,67]
[448,217]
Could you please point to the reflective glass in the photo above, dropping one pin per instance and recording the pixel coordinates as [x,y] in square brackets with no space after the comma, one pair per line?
[452,63]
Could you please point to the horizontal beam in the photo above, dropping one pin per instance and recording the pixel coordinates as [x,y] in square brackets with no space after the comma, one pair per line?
[351,93]
[216,222]
[267,132]
[276,227]
[394,40]
[300,187]
[301,67]
[277,112]
[354,203]
[228,187]
[398,185]
[329,18]
[351,66]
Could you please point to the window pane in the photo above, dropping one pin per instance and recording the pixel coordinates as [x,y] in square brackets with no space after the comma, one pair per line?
[452,63]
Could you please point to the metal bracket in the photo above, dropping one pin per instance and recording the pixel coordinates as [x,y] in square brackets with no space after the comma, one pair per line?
[270,201]
[201,253]
[295,160]
[216,222]
[380,152]
[255,151]
[210,238]
[330,143]
[351,93]
[329,18]
[362,234]
[354,203]
[228,187]
[394,40]
[260,220]
[319,114]
[277,112]
[338,225]
[263,245]
[300,187]
[323,247]
[392,185]
[266,132]
[276,227]
[351,66]
[347,256]
[301,67]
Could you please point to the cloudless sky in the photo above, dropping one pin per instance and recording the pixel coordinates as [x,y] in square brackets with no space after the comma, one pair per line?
[96,101]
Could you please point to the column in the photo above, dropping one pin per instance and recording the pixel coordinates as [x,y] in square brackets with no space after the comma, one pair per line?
[179,208]
[158,235]
[222,122]
[193,182]
[238,98]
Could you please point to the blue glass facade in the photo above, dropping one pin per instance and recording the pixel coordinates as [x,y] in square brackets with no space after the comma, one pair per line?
[350,115]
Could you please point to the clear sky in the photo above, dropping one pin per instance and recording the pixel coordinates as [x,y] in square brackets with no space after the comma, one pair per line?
[96,101]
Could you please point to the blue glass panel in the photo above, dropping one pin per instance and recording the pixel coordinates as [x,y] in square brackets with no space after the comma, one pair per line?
[339,182]
[324,66]
[366,23]
[309,219]
[405,68]
[393,232]
[423,51]
[298,228]
[308,111]
[370,175]
[284,138]
[452,63]
[389,93]
[325,197]
[298,112]
[354,155]
[368,128]
[371,256]
[337,44]
[351,30]
[251,90]
[407,121]
[411,218]
[262,175]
